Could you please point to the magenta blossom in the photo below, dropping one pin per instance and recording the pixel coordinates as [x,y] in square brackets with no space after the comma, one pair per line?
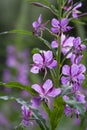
[66,44]
[80,97]
[76,54]
[74,75]
[59,26]
[43,60]
[45,91]
[73,8]
[38,26]
[75,11]
[27,113]
[70,111]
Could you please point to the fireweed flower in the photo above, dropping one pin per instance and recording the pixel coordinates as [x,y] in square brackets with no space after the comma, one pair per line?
[66,44]
[73,8]
[59,26]
[74,75]
[80,97]
[26,113]
[70,111]
[43,60]
[75,11]
[38,26]
[76,54]
[45,91]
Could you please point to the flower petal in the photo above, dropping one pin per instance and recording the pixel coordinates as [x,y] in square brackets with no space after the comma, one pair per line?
[37,88]
[37,58]
[74,70]
[48,55]
[64,22]
[54,44]
[40,19]
[66,70]
[65,80]
[54,22]
[35,24]
[55,92]
[52,65]
[35,69]
[47,85]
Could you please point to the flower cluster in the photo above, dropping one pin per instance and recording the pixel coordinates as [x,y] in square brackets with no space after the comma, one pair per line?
[66,80]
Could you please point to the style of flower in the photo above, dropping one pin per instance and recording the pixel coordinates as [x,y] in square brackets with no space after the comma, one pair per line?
[38,26]
[76,54]
[66,44]
[60,26]
[74,75]
[45,91]
[43,60]
[70,111]
[26,113]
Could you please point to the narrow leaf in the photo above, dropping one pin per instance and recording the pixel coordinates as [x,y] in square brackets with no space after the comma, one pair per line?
[24,32]
[18,85]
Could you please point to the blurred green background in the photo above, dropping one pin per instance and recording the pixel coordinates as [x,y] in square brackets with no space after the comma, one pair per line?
[19,14]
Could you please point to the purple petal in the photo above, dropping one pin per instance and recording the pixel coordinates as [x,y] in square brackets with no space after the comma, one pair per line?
[77,42]
[55,92]
[40,19]
[35,101]
[83,47]
[35,24]
[53,64]
[37,88]
[80,98]
[66,29]
[47,85]
[74,69]
[64,22]
[54,22]
[37,58]
[55,30]
[65,80]
[54,44]
[82,68]
[66,70]
[78,5]
[35,69]
[67,110]
[65,98]
[48,55]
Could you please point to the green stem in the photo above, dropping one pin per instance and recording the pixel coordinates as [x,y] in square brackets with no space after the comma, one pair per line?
[58,60]
[59,46]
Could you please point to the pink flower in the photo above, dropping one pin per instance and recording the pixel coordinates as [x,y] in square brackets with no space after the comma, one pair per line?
[59,26]
[38,26]
[43,60]
[27,113]
[66,44]
[45,91]
[74,75]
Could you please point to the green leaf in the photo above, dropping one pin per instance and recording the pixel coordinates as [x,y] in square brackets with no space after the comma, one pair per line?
[57,112]
[39,119]
[77,21]
[35,50]
[46,2]
[45,42]
[19,85]
[24,32]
